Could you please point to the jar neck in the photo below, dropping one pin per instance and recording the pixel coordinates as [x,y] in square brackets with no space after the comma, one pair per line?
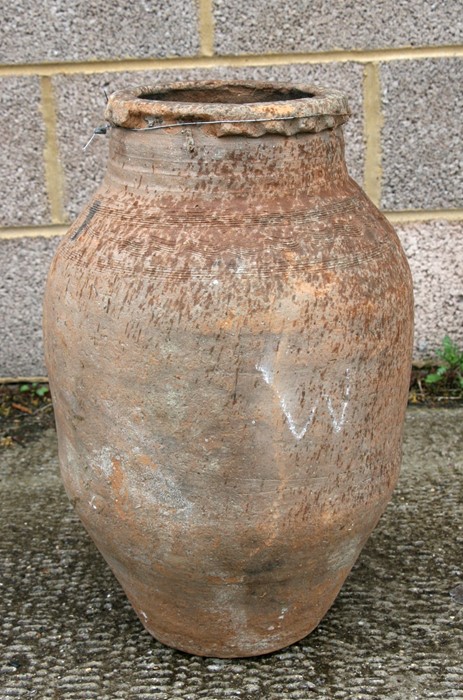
[190,162]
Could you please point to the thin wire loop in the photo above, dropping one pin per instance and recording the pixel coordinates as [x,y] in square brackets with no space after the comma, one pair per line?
[216,121]
[99,130]
[153,127]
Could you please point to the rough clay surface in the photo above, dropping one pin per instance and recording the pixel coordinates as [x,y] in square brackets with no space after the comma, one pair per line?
[434,250]
[319,25]
[431,248]
[81,105]
[24,197]
[87,30]
[395,631]
[421,136]
[24,264]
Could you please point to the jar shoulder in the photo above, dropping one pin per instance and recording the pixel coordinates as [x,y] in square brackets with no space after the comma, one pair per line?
[161,236]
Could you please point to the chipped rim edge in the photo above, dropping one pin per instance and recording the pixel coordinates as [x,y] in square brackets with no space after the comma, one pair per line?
[327,108]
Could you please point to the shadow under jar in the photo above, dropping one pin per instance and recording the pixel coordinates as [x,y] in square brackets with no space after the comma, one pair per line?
[228,331]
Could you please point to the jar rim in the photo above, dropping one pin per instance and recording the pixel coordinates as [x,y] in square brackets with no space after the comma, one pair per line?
[229,107]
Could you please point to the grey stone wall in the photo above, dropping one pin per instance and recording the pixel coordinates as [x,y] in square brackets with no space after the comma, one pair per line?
[399,63]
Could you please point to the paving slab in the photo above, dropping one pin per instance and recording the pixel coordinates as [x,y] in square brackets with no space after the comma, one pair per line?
[395,631]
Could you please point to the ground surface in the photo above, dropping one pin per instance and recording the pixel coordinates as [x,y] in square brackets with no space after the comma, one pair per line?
[395,631]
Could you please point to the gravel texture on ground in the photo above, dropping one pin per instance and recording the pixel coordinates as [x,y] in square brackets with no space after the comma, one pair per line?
[395,631]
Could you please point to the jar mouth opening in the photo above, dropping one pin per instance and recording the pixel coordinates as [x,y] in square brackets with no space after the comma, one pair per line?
[225,94]
[229,108]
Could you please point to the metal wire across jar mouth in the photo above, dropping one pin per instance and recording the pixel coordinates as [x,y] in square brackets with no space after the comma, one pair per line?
[229,108]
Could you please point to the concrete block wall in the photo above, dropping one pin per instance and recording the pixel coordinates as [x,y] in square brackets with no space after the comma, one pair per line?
[400,63]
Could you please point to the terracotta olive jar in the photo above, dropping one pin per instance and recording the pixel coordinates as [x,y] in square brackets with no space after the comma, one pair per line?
[228,331]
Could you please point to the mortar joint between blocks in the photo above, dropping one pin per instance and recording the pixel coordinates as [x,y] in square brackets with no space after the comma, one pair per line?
[372,124]
[51,157]
[214,61]
[206,27]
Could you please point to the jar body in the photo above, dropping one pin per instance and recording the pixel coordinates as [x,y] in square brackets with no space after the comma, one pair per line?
[228,334]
